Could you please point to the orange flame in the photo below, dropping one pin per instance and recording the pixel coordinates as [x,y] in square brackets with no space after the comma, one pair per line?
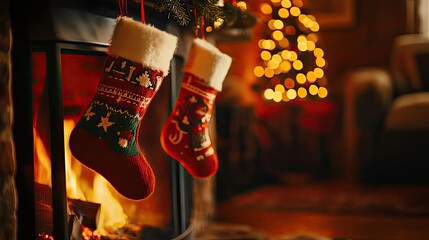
[85,184]
[42,165]
[111,212]
[81,183]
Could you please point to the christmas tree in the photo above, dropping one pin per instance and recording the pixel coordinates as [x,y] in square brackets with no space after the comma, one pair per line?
[292,65]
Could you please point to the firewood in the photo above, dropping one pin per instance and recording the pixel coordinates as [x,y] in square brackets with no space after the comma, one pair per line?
[85,211]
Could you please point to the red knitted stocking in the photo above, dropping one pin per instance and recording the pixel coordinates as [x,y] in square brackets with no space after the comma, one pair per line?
[185,136]
[105,138]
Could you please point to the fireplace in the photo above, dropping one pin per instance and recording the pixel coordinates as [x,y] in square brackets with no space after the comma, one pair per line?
[58,59]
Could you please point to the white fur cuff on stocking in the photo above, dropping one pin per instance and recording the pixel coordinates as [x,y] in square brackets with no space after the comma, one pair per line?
[143,43]
[208,63]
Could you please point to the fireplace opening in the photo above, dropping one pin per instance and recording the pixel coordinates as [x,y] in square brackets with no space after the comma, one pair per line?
[95,210]
[61,57]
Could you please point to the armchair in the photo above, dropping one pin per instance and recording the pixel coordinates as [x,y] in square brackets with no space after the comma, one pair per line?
[386,117]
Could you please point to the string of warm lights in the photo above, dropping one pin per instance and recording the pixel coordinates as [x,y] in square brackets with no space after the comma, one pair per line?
[290,57]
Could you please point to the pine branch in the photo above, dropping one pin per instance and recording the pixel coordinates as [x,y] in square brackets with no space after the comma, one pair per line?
[183,11]
[176,8]
[209,10]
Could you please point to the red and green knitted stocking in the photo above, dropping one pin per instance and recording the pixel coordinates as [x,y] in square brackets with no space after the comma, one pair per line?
[105,138]
[185,136]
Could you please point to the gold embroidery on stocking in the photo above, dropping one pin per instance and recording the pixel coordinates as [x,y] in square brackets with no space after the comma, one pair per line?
[178,135]
[105,122]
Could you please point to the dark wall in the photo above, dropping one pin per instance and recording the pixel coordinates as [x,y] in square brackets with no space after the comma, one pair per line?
[367,42]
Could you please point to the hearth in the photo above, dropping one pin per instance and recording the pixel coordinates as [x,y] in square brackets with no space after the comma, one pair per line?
[58,58]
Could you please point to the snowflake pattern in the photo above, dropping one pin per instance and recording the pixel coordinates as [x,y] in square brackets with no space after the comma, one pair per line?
[144,80]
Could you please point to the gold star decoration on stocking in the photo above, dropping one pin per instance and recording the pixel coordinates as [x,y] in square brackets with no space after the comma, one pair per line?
[88,113]
[105,122]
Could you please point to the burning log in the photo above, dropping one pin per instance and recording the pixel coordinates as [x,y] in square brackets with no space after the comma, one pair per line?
[75,228]
[85,211]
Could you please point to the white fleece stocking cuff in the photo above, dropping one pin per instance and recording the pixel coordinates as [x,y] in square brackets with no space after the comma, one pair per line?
[208,63]
[143,44]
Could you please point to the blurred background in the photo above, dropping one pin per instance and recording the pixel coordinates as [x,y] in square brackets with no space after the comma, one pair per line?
[321,128]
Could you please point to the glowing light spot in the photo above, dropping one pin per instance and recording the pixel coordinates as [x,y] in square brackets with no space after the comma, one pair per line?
[308,23]
[291,94]
[258,71]
[265,55]
[320,62]
[277,96]
[260,43]
[277,35]
[285,98]
[277,58]
[269,72]
[268,94]
[285,66]
[301,38]
[286,54]
[315,27]
[293,56]
[312,17]
[297,64]
[313,89]
[273,64]
[302,46]
[290,30]
[271,24]
[269,44]
[266,8]
[284,43]
[218,23]
[300,78]
[242,6]
[279,88]
[289,83]
[318,52]
[311,45]
[209,29]
[302,92]
[295,11]
[286,3]
[311,76]
[319,72]
[283,13]
[323,92]
[303,18]
[278,24]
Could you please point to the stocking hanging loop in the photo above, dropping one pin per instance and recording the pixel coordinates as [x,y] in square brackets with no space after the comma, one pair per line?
[123,7]
[199,25]
[143,17]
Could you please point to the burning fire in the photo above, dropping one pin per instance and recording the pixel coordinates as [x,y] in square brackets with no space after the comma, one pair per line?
[111,212]
[82,183]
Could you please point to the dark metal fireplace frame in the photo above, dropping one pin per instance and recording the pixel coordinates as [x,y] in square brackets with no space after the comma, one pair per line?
[35,30]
